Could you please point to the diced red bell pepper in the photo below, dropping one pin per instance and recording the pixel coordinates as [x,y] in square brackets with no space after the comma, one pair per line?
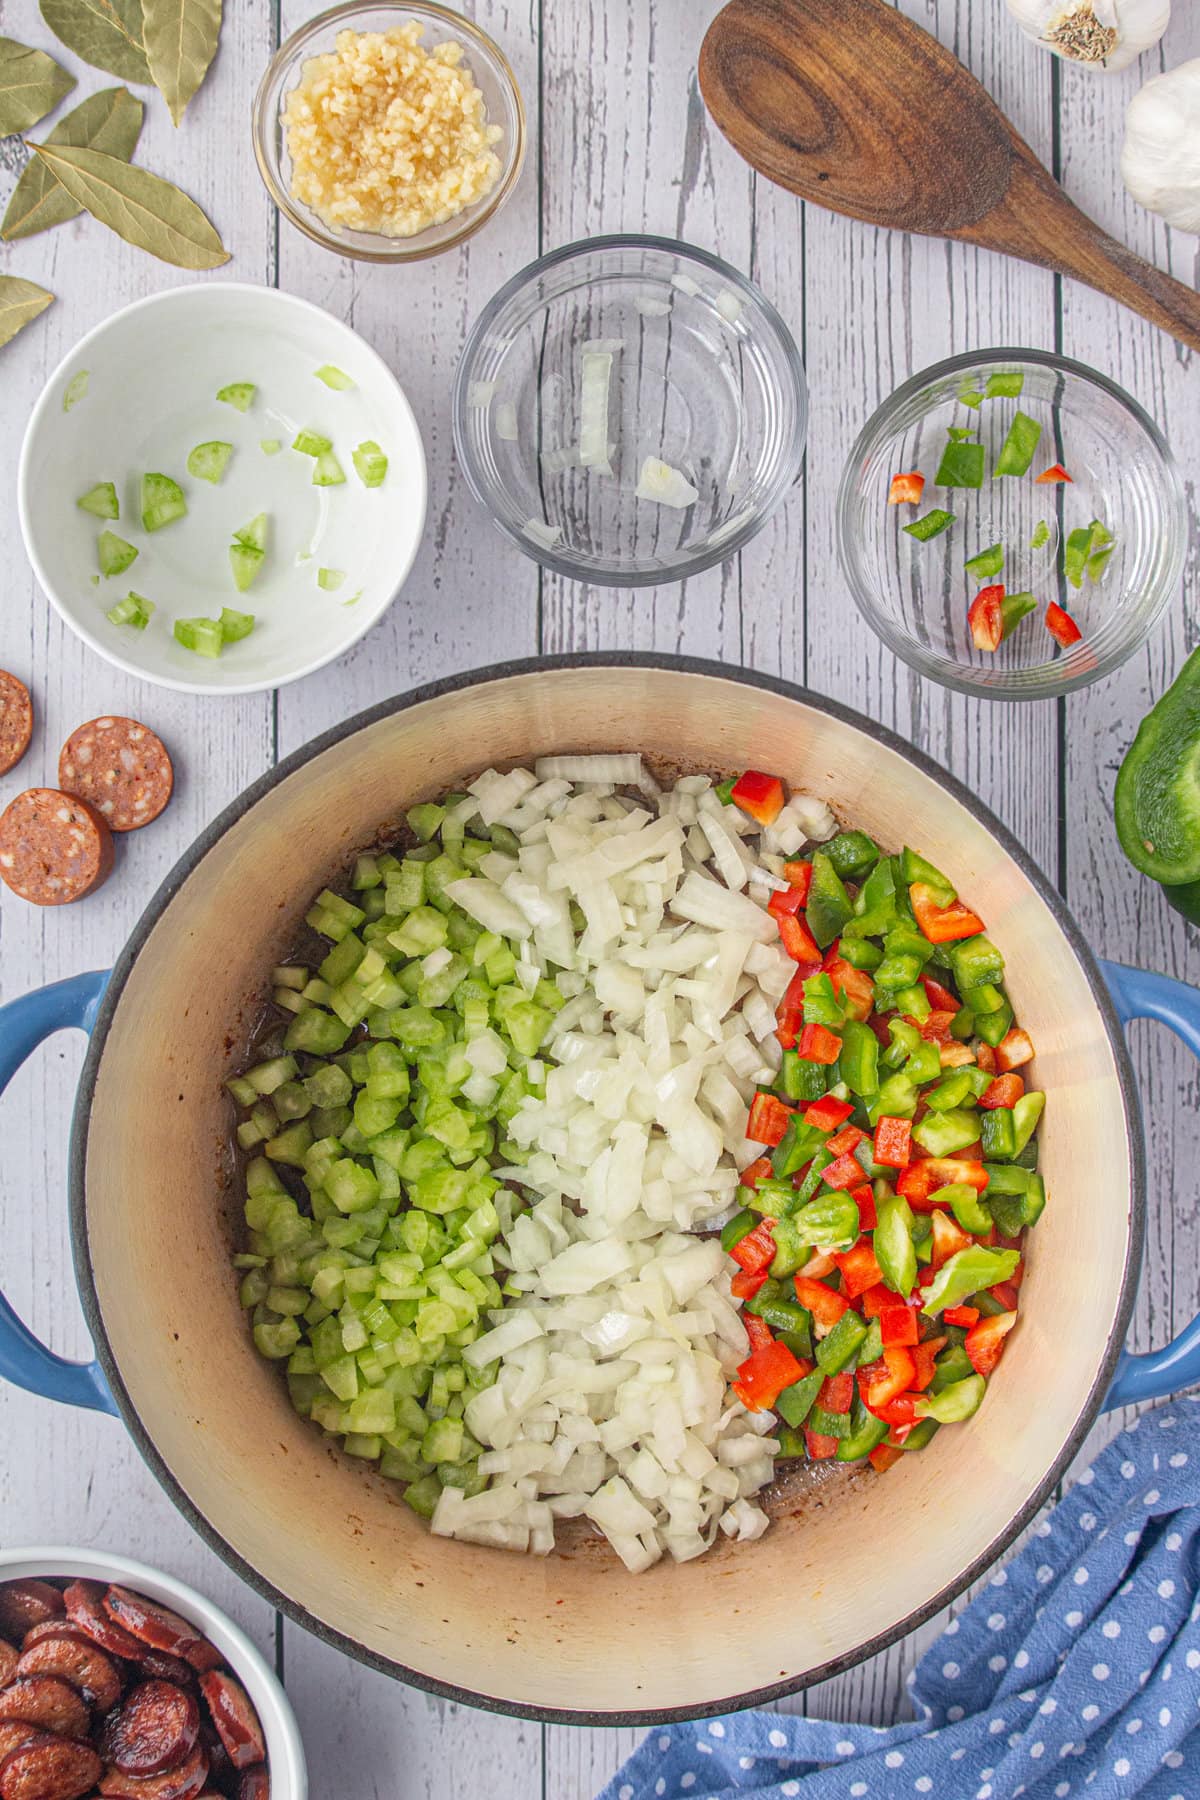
[893,1142]
[936,1028]
[764,1375]
[1018,1274]
[825,1306]
[1053,474]
[906,490]
[884,1456]
[942,924]
[948,1171]
[898,1412]
[819,1265]
[924,1358]
[1005,1090]
[864,1198]
[819,1447]
[947,1239]
[759,1170]
[985,1056]
[985,617]
[836,1393]
[875,1300]
[744,1286]
[939,997]
[853,986]
[768,1120]
[1006,1292]
[759,795]
[799,875]
[819,1045]
[757,1249]
[879,1026]
[1061,626]
[985,1341]
[954,1055]
[1014,1050]
[846,1172]
[897,1435]
[859,1269]
[881,1381]
[789,1015]
[757,1331]
[785,903]
[845,1141]
[798,940]
[961,1315]
[827,1113]
[898,1326]
[913,1185]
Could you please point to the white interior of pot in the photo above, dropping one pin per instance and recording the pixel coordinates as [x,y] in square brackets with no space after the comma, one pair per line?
[572,1631]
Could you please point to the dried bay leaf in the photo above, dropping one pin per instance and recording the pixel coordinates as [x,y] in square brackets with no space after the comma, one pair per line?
[109,121]
[31,85]
[105,33]
[181,40]
[146,211]
[20,303]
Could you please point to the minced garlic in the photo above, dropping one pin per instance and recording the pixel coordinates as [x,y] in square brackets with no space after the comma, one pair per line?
[387,137]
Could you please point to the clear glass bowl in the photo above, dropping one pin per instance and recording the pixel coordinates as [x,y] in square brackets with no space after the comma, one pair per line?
[706,377]
[915,595]
[493,76]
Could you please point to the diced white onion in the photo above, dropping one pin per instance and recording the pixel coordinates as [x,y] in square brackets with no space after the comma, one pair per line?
[506,422]
[479,393]
[555,461]
[651,306]
[684,283]
[593,410]
[729,305]
[658,481]
[542,533]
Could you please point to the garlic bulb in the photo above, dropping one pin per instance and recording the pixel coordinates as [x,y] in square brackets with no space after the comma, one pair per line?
[1100,34]
[1160,161]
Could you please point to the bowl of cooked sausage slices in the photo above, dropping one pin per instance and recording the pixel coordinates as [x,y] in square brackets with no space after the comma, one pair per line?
[116,1680]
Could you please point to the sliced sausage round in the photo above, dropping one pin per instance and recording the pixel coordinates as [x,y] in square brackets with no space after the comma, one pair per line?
[85,1610]
[159,1627]
[157,1665]
[182,1783]
[156,1729]
[8,1662]
[255,1784]
[48,1702]
[69,1654]
[14,1732]
[27,1603]
[54,848]
[234,1717]
[121,767]
[16,721]
[49,1768]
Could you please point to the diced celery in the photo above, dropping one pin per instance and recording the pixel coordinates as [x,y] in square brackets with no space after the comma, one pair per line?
[270,446]
[238,394]
[114,554]
[208,462]
[328,471]
[311,443]
[333,377]
[101,501]
[330,579]
[204,636]
[133,610]
[245,562]
[235,625]
[370,463]
[162,502]
[76,389]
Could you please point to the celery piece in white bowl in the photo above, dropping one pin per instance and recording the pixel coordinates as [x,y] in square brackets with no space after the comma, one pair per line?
[155,372]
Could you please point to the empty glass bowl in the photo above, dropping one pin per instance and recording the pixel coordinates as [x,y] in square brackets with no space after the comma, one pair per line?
[493,77]
[681,362]
[915,593]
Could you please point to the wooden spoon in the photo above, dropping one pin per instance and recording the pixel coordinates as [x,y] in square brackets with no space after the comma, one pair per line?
[853,107]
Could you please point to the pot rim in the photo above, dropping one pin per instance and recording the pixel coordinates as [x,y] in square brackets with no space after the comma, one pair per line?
[542,665]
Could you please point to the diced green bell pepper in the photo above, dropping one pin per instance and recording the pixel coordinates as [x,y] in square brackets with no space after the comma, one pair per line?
[893,1245]
[964,1273]
[853,854]
[829,905]
[839,1345]
[952,1404]
[944,1133]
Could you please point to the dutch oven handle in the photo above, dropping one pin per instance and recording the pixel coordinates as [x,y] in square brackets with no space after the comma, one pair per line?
[24,1023]
[1137,994]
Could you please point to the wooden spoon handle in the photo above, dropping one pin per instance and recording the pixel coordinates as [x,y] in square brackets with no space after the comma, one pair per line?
[1036,221]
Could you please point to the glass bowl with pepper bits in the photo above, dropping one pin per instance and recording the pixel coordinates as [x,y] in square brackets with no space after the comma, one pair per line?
[1012,524]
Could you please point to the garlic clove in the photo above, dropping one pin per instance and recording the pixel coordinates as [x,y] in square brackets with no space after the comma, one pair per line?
[1097,34]
[1160,160]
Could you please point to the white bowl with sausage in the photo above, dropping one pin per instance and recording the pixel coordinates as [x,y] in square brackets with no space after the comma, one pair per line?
[285,1771]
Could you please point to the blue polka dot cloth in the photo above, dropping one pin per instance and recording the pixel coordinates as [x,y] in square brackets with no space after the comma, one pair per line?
[1076,1671]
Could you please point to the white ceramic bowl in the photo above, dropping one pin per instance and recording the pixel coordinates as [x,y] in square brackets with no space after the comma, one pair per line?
[153,374]
[285,1752]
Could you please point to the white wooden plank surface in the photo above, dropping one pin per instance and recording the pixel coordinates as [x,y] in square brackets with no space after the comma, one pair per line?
[618,140]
